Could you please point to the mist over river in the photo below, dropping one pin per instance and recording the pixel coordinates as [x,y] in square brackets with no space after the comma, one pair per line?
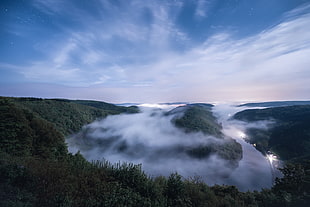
[254,171]
[150,138]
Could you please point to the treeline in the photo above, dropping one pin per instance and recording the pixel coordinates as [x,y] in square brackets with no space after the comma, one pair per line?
[69,116]
[199,118]
[288,136]
[37,170]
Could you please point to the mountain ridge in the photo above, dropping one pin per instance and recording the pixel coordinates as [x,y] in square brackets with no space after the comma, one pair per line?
[275,104]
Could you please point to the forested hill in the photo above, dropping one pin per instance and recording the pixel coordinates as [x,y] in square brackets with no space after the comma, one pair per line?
[288,136]
[37,171]
[200,118]
[25,121]
[24,133]
[197,117]
[68,115]
[276,104]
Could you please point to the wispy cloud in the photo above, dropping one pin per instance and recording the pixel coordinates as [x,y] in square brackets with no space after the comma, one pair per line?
[263,65]
[202,8]
[135,46]
[105,41]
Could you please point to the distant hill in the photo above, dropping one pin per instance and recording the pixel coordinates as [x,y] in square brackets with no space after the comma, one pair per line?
[276,104]
[289,137]
[69,116]
[175,103]
[107,106]
[199,118]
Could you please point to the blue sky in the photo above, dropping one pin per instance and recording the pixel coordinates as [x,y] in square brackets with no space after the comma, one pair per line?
[156,51]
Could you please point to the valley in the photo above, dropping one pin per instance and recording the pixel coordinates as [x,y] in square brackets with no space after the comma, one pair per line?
[139,150]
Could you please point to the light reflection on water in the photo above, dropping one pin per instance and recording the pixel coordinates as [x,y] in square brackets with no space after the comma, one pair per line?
[255,171]
[275,164]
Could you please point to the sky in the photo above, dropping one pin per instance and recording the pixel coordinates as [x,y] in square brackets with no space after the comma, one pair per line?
[156,51]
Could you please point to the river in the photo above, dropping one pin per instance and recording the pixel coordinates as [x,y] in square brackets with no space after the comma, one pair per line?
[255,171]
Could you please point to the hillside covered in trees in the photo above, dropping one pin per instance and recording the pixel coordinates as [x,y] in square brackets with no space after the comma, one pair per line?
[199,118]
[37,170]
[288,134]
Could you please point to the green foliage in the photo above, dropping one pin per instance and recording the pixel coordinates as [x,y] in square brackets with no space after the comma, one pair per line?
[260,138]
[16,183]
[289,137]
[228,149]
[294,186]
[24,134]
[276,104]
[199,119]
[36,170]
[16,135]
[69,116]
[175,186]
[198,193]
[106,106]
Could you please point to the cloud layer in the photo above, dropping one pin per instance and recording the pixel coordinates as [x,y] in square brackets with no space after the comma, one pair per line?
[145,51]
[151,139]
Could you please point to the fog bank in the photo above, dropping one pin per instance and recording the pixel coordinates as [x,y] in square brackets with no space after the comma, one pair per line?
[150,138]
